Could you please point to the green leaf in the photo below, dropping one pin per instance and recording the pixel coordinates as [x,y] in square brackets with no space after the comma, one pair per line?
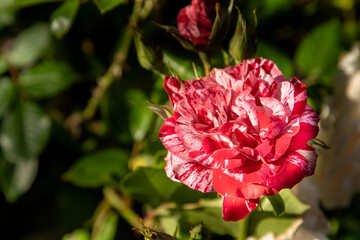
[24,132]
[106,5]
[211,216]
[277,203]
[270,9]
[318,52]
[29,45]
[63,17]
[78,234]
[264,221]
[47,79]
[98,169]
[274,54]
[149,185]
[292,204]
[108,228]
[7,93]
[23,3]
[7,17]
[148,57]
[139,117]
[199,232]
[17,178]
[184,194]
[3,64]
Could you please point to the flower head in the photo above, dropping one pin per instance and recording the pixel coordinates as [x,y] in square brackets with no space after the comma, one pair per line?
[195,21]
[240,131]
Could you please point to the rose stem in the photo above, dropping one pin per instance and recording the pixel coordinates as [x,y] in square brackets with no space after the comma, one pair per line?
[243,228]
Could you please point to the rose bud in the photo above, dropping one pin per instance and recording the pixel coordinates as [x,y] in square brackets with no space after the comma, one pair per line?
[241,131]
[195,21]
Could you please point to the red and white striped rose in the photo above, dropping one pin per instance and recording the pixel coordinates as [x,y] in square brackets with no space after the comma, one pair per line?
[240,131]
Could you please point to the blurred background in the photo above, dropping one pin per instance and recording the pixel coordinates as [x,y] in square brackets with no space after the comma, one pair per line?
[80,155]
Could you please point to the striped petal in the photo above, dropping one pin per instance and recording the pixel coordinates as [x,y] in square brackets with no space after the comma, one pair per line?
[235,209]
[308,129]
[192,174]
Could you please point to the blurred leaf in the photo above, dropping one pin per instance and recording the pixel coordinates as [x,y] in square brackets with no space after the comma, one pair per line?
[7,93]
[78,234]
[292,204]
[16,178]
[29,45]
[139,117]
[63,17]
[262,222]
[169,223]
[184,194]
[6,17]
[100,168]
[277,203]
[199,232]
[345,5]
[271,8]
[274,54]
[149,185]
[113,109]
[106,5]
[3,64]
[181,65]
[211,217]
[318,52]
[22,3]
[148,56]
[47,79]
[24,132]
[108,228]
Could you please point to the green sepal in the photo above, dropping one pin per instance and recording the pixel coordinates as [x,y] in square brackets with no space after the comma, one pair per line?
[243,43]
[148,56]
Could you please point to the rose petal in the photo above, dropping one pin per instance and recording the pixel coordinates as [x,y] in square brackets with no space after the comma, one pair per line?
[172,87]
[310,155]
[308,129]
[171,140]
[292,169]
[282,143]
[192,174]
[300,96]
[228,186]
[235,208]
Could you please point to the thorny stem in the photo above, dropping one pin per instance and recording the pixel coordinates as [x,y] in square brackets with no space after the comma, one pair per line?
[122,206]
[116,69]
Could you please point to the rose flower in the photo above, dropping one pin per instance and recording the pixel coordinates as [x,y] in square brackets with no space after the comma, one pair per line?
[195,21]
[240,131]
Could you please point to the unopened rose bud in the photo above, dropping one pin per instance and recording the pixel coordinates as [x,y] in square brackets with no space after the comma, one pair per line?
[195,21]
